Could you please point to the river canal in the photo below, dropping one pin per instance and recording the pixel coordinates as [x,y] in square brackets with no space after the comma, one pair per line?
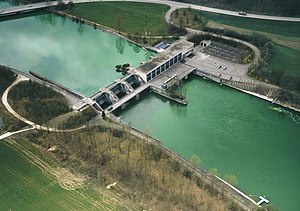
[229,130]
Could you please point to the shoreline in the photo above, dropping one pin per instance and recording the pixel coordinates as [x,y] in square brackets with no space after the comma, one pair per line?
[269,100]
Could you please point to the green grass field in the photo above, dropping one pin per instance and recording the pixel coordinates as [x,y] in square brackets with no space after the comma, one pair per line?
[127,17]
[24,186]
[269,26]
[285,59]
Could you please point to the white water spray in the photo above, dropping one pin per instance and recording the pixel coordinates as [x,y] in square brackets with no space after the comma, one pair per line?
[294,117]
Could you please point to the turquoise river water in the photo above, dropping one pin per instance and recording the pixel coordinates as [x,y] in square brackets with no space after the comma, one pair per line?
[229,130]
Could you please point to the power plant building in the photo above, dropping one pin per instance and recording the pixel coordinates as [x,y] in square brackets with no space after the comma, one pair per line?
[163,61]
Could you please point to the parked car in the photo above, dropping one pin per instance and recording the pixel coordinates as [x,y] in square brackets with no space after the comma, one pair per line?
[242,13]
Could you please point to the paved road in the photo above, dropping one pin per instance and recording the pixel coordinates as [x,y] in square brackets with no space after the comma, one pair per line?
[8,134]
[22,8]
[172,4]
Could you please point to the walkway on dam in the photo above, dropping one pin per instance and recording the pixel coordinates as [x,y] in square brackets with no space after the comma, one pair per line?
[124,100]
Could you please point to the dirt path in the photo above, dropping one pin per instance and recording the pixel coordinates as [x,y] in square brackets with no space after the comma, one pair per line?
[19,79]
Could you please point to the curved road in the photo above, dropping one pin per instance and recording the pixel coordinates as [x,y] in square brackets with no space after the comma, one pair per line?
[172,4]
[18,116]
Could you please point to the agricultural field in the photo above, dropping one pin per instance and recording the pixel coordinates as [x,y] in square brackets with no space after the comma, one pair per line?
[129,17]
[31,182]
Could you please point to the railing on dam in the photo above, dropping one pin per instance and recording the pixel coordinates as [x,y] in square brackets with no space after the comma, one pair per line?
[246,85]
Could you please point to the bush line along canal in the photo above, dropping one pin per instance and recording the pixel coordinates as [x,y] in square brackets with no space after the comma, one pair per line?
[229,130]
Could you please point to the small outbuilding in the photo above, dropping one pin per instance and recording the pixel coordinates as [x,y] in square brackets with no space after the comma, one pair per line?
[205,43]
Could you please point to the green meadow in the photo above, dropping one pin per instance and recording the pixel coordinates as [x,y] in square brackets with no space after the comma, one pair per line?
[127,17]
[270,26]
[285,59]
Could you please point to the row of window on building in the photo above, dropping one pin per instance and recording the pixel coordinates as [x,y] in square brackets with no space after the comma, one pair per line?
[155,72]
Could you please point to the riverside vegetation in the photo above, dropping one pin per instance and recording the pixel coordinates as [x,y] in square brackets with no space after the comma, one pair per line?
[107,153]
[36,102]
[9,123]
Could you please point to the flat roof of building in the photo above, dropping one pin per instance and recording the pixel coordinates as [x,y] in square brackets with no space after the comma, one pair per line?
[159,59]
[206,41]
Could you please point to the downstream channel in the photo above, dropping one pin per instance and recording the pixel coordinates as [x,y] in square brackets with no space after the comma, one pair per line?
[229,130]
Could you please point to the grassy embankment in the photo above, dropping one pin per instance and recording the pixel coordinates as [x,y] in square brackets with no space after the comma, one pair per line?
[127,17]
[280,67]
[135,20]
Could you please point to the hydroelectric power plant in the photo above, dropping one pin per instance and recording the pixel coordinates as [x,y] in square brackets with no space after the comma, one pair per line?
[232,131]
